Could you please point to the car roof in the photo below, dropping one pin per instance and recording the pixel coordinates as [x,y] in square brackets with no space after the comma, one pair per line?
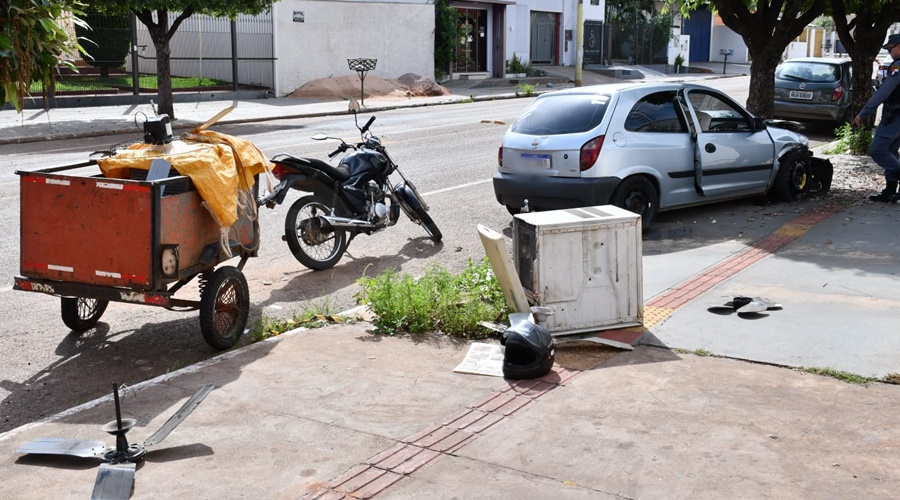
[826,60]
[612,88]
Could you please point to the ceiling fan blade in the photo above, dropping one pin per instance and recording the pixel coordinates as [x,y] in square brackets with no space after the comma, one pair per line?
[179,415]
[114,482]
[59,446]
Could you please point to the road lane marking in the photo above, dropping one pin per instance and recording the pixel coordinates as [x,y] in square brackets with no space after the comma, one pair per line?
[459,186]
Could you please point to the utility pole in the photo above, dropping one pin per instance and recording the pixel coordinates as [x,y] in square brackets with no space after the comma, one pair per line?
[579,42]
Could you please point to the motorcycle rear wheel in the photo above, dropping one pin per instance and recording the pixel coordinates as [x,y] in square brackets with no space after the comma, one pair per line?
[313,247]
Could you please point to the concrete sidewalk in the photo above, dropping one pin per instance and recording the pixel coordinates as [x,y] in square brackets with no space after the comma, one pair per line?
[341,413]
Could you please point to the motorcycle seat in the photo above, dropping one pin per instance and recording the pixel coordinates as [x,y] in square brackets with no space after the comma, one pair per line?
[340,173]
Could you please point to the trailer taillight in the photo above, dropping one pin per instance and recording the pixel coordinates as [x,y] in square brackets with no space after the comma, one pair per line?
[589,153]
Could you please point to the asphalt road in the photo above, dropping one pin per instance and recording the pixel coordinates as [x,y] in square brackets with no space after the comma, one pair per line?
[450,154]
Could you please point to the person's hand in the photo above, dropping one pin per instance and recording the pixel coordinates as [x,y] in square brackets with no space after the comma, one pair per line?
[857,122]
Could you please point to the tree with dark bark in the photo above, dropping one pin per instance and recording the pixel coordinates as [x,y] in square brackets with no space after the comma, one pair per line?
[862,36]
[767,27]
[155,14]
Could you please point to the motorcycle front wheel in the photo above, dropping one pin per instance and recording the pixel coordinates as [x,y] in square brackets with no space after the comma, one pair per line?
[430,227]
[315,246]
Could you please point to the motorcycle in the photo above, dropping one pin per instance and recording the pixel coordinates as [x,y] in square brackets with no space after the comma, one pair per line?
[356,197]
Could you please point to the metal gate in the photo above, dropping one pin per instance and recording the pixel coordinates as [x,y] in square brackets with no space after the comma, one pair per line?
[543,38]
[699,27]
[206,54]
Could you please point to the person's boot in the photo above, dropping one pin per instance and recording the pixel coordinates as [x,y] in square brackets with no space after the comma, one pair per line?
[888,195]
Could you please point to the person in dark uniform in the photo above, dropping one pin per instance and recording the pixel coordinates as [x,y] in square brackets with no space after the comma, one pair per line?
[886,142]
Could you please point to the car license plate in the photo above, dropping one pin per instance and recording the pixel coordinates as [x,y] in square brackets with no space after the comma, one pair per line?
[536,160]
[796,94]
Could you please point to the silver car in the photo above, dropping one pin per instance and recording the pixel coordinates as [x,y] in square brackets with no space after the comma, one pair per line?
[815,89]
[645,148]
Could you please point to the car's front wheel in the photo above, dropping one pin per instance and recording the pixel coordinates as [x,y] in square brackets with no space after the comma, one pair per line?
[638,195]
[792,182]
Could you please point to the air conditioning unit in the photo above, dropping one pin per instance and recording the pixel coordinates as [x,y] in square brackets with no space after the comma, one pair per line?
[584,263]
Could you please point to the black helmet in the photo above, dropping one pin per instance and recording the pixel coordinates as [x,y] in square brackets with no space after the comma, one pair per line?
[529,351]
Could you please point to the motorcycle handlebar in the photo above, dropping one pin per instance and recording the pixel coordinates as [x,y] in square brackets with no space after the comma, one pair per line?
[367,125]
[336,152]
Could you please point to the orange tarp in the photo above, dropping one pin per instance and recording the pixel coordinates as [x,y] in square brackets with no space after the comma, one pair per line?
[218,164]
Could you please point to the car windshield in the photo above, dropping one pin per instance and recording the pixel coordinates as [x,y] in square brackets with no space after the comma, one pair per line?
[803,71]
[562,114]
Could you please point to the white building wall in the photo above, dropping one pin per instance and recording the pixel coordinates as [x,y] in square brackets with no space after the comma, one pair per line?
[724,38]
[399,34]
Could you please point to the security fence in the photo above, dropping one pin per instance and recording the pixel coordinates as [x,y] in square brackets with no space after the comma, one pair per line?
[207,54]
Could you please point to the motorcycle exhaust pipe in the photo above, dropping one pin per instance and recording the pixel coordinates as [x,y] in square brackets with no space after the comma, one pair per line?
[344,222]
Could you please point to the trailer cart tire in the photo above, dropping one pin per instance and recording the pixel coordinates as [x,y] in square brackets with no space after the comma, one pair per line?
[224,307]
[80,314]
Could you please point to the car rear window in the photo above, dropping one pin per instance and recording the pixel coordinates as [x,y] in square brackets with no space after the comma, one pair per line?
[809,72]
[562,114]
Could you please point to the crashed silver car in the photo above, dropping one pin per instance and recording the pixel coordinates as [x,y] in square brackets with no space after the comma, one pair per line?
[647,148]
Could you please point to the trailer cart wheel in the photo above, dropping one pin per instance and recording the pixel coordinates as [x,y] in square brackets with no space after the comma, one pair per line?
[80,314]
[224,306]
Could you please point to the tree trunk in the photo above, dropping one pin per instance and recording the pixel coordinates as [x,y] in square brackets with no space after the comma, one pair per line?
[761,98]
[161,34]
[164,105]
[767,30]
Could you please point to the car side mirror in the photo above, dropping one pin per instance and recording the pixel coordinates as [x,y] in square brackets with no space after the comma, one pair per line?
[759,124]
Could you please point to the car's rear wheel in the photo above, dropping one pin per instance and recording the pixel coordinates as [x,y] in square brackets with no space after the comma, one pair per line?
[638,195]
[792,182]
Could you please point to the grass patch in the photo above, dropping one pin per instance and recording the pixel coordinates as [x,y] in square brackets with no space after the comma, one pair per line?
[525,89]
[113,82]
[850,378]
[310,315]
[695,352]
[438,301]
[854,141]
[893,378]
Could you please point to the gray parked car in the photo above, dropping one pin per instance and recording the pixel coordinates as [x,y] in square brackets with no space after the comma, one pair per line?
[645,148]
[814,89]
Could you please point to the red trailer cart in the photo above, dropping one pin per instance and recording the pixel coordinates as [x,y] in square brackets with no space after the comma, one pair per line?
[91,239]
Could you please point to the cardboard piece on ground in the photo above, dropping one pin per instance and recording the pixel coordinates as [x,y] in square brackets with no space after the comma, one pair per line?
[504,269]
[482,359]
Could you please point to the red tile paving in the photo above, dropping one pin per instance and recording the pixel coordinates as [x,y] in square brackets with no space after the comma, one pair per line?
[376,486]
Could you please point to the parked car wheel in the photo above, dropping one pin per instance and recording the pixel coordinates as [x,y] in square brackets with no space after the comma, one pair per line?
[792,182]
[638,195]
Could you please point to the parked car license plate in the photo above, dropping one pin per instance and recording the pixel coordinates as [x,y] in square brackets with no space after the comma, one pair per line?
[536,160]
[796,94]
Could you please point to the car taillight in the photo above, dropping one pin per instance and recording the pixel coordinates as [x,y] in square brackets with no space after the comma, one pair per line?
[278,171]
[589,153]
[837,93]
[500,156]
